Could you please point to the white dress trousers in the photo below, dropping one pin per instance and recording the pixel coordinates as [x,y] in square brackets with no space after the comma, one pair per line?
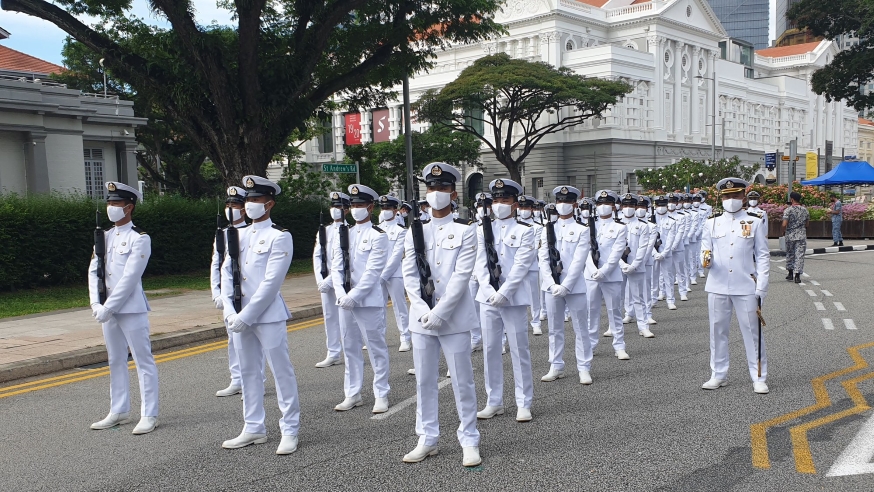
[394,289]
[120,332]
[720,307]
[476,332]
[555,308]
[511,320]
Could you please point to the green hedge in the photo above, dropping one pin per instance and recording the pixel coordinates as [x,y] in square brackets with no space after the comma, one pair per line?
[48,239]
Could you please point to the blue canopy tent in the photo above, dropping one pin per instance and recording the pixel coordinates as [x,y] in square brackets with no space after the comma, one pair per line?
[845,173]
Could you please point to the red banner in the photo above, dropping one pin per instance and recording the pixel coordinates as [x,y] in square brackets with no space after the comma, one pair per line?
[353,129]
[380,126]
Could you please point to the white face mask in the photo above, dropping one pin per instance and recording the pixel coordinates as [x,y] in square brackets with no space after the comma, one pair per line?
[336,214]
[360,214]
[753,203]
[640,213]
[564,208]
[687,205]
[605,210]
[438,199]
[233,214]
[672,206]
[386,215]
[732,205]
[115,213]
[586,214]
[255,210]
[628,212]
[696,204]
[404,214]
[661,210]
[480,212]
[525,214]
[538,214]
[502,210]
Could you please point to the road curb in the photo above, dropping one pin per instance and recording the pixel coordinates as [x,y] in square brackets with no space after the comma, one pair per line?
[95,355]
[831,249]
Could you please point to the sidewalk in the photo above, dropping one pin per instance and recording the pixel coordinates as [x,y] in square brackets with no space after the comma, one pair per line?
[60,340]
[819,246]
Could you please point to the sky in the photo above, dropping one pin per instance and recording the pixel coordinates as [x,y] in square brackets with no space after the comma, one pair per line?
[43,40]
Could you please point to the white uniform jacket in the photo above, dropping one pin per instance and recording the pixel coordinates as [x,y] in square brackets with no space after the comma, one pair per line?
[515,245]
[573,245]
[653,235]
[740,251]
[450,247]
[756,210]
[330,236]
[668,228]
[265,255]
[679,243]
[396,235]
[538,232]
[638,240]
[611,236]
[215,271]
[127,253]
[368,252]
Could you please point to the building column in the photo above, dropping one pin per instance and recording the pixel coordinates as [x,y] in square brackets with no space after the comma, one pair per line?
[37,163]
[127,162]
[656,47]
[694,125]
[678,89]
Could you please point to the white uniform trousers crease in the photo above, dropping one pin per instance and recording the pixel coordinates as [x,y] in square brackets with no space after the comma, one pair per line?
[682,278]
[533,285]
[268,340]
[495,322]
[555,308]
[609,293]
[364,326]
[720,307]
[692,253]
[426,358]
[234,361]
[648,295]
[121,332]
[636,296]
[666,276]
[476,332]
[331,314]
[394,289]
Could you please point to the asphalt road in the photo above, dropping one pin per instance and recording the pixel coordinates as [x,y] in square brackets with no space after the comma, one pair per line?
[644,424]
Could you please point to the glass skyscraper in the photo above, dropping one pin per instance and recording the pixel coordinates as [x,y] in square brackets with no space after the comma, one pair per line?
[744,19]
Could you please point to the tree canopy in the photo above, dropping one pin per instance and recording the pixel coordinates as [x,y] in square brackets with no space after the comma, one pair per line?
[853,67]
[239,91]
[511,104]
[696,174]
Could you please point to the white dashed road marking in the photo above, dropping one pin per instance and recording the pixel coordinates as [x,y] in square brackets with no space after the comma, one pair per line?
[802,284]
[849,324]
[839,306]
[856,458]
[409,401]
[819,306]
[805,275]
[826,323]
[814,282]
[811,293]
[827,293]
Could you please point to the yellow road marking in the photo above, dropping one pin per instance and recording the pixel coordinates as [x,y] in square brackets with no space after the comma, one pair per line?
[800,445]
[759,431]
[54,381]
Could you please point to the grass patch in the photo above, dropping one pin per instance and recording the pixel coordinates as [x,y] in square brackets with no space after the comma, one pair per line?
[33,301]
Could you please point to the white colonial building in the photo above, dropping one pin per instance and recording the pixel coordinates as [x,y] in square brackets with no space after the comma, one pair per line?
[670,52]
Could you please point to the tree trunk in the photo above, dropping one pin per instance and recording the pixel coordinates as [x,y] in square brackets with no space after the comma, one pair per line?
[513,169]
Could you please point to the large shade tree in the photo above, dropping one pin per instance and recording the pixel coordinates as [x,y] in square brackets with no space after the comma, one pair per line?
[511,104]
[239,91]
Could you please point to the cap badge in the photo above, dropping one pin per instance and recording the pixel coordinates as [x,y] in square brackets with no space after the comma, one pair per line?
[111,186]
[232,191]
[354,190]
[603,194]
[335,196]
[628,196]
[436,171]
[729,184]
[250,183]
[563,190]
[499,183]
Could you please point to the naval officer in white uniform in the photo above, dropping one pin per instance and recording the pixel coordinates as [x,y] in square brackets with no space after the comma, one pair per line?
[392,279]
[525,214]
[330,310]
[123,313]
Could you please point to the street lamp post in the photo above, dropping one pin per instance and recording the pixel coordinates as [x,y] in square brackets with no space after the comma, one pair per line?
[712,114]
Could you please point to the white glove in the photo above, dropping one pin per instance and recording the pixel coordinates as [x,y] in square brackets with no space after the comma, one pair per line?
[761,294]
[498,300]
[431,321]
[219,303]
[100,313]
[597,275]
[383,282]
[559,290]
[235,325]
[625,267]
[658,256]
[326,285]
[346,302]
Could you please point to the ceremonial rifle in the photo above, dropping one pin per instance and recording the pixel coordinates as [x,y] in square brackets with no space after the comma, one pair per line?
[658,241]
[593,235]
[323,245]
[100,256]
[761,324]
[555,265]
[492,263]
[343,236]
[234,253]
[220,245]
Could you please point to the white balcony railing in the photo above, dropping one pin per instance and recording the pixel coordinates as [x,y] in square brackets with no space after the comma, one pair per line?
[631,9]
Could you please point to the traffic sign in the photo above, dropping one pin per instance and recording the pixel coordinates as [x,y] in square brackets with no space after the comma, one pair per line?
[339,168]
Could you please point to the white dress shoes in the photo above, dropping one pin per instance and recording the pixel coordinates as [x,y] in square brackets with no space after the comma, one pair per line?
[661,297]
[536,330]
[645,333]
[543,317]
[700,275]
[552,375]
[651,321]
[693,281]
[672,307]
[111,421]
[411,372]
[585,377]
[684,297]
[243,440]
[381,405]
[627,319]
[287,445]
[405,346]
[329,361]
[471,456]
[489,412]
[233,389]
[567,318]
[714,383]
[608,333]
[349,403]
[622,355]
[476,347]
[760,387]
[523,415]
[420,453]
[146,425]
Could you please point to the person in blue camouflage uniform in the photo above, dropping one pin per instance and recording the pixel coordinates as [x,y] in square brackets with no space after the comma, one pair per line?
[795,220]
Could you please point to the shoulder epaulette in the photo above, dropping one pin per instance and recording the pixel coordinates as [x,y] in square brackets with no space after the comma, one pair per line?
[715,214]
[426,221]
[618,221]
[671,217]
[377,229]
[526,224]
[754,214]
[466,222]
[139,231]
[279,228]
